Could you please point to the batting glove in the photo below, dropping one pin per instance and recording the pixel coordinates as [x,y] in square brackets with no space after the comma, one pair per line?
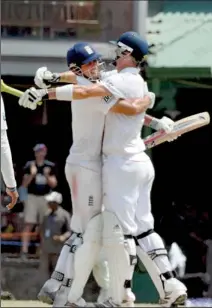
[31,97]
[165,124]
[44,78]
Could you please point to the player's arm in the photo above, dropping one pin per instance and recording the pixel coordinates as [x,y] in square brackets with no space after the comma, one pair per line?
[6,161]
[79,92]
[165,123]
[121,105]
[7,169]
[131,106]
[44,78]
[32,96]
[50,174]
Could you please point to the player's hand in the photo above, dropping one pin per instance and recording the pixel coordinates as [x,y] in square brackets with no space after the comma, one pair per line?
[33,170]
[165,124]
[46,171]
[14,198]
[31,97]
[44,78]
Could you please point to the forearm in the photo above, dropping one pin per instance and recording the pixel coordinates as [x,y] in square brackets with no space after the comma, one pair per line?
[131,106]
[151,122]
[76,92]
[67,77]
[6,161]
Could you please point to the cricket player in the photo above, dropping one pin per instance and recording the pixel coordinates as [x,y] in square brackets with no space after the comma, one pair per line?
[42,78]
[146,239]
[117,241]
[6,161]
[91,162]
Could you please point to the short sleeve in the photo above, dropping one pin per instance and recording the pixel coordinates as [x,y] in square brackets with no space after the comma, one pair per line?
[110,100]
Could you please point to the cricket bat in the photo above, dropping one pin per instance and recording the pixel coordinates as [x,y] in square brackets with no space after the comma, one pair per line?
[10,90]
[181,127]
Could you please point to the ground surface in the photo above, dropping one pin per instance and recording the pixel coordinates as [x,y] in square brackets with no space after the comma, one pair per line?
[5,303]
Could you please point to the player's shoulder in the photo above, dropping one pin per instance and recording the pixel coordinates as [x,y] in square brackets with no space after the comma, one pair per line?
[49,163]
[108,73]
[113,79]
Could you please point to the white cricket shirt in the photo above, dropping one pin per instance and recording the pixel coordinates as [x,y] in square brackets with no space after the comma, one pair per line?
[122,135]
[88,120]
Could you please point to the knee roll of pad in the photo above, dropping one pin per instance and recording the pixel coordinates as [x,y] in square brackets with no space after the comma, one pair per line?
[93,232]
[112,230]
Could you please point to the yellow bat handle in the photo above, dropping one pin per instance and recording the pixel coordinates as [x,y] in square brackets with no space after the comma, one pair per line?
[12,91]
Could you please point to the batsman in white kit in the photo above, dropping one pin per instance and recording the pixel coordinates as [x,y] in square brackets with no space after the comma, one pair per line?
[125,164]
[85,153]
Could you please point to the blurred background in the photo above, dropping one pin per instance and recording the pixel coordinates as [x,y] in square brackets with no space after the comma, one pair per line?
[38,33]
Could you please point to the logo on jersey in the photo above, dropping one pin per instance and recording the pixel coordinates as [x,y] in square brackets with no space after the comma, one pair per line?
[107,99]
[90,201]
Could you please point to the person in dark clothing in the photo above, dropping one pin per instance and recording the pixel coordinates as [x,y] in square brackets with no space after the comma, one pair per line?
[39,179]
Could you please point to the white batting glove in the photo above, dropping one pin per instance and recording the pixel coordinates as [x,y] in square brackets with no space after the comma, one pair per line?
[44,78]
[165,124]
[31,97]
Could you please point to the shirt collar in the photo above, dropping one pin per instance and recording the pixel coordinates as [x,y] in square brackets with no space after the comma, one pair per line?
[133,70]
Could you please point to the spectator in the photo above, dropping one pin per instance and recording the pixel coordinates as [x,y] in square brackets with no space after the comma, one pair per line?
[55,230]
[39,178]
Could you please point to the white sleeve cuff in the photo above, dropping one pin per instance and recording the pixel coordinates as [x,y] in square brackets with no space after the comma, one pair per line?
[65,93]
[6,161]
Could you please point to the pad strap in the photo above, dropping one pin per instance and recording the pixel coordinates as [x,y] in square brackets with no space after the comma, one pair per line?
[144,234]
[128,284]
[57,276]
[67,282]
[169,275]
[70,240]
[157,253]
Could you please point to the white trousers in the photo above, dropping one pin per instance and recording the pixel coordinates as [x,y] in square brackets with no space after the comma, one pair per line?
[86,192]
[126,191]
[143,217]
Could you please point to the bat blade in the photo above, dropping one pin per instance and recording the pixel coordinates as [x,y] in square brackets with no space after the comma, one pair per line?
[181,127]
[10,90]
